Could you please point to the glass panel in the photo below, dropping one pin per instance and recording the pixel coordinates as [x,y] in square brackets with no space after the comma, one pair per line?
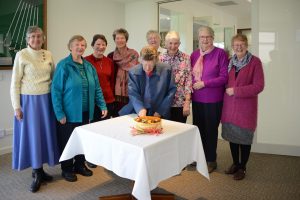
[278,39]
[172,20]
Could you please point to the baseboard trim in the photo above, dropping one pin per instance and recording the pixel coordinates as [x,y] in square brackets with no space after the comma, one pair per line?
[287,150]
[5,150]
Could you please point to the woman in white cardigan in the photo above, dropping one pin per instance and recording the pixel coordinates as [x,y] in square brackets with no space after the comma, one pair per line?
[34,140]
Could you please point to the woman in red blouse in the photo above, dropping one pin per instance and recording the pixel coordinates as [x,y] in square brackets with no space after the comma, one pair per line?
[105,71]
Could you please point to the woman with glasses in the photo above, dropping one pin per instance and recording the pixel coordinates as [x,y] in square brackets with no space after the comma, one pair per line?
[239,115]
[34,138]
[153,39]
[210,75]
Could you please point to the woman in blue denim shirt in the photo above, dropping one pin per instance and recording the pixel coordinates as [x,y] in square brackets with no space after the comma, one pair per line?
[151,86]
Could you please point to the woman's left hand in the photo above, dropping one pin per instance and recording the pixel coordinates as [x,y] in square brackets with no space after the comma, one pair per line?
[230,91]
[104,113]
[186,108]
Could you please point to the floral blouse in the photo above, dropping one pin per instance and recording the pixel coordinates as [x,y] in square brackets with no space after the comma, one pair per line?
[181,68]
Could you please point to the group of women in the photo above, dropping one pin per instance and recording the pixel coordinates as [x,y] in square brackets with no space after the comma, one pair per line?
[49,102]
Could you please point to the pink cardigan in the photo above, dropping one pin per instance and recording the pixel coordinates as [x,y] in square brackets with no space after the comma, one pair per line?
[241,108]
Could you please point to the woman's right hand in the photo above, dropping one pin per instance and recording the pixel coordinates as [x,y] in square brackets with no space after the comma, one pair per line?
[19,114]
[63,120]
[142,112]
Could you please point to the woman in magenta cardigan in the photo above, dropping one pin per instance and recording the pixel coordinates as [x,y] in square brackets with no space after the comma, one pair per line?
[209,78]
[239,115]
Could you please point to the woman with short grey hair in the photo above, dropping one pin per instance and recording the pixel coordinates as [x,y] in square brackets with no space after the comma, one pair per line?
[154,39]
[34,138]
[75,91]
[209,66]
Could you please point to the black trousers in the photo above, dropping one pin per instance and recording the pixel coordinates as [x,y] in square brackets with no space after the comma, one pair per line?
[177,114]
[240,154]
[98,112]
[207,117]
[64,132]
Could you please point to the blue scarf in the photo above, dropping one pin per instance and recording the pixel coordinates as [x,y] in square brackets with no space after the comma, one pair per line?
[239,64]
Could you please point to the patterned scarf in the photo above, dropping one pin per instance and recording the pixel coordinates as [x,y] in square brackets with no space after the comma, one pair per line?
[124,61]
[239,64]
[198,67]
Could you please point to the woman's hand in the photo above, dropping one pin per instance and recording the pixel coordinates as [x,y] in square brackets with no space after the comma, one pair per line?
[198,85]
[19,114]
[230,91]
[63,120]
[142,112]
[186,108]
[104,113]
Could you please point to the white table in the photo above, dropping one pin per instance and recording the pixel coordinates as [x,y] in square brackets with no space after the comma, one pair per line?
[146,159]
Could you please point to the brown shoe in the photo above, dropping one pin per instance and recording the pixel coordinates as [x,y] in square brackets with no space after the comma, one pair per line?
[232,169]
[211,166]
[240,174]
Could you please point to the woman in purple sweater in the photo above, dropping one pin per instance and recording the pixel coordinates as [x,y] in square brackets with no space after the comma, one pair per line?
[239,116]
[209,78]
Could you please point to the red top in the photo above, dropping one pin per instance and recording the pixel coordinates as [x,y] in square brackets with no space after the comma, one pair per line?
[105,71]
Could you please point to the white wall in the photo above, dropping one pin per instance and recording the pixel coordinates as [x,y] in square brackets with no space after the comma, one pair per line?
[140,16]
[279,110]
[70,17]
[6,112]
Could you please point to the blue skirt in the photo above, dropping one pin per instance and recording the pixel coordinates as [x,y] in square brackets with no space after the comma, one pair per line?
[34,140]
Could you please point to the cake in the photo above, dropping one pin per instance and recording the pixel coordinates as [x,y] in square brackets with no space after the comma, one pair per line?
[148,125]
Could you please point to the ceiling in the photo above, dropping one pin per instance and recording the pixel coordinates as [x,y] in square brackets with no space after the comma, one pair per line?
[238,8]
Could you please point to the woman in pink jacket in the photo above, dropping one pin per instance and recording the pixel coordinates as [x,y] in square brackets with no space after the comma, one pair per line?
[239,115]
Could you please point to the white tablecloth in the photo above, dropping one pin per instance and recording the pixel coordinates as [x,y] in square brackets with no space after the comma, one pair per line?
[146,159]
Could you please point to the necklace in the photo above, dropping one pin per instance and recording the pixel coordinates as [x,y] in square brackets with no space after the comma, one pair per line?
[101,64]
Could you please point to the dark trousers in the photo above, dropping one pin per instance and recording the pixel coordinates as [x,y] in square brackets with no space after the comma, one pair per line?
[207,117]
[236,151]
[64,132]
[98,112]
[117,107]
[177,114]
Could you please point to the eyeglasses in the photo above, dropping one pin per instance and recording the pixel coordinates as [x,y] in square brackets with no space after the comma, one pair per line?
[35,36]
[239,45]
[205,37]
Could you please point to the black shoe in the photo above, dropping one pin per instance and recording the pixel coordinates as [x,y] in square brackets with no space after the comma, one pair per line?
[69,176]
[83,170]
[45,176]
[90,165]
[36,183]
